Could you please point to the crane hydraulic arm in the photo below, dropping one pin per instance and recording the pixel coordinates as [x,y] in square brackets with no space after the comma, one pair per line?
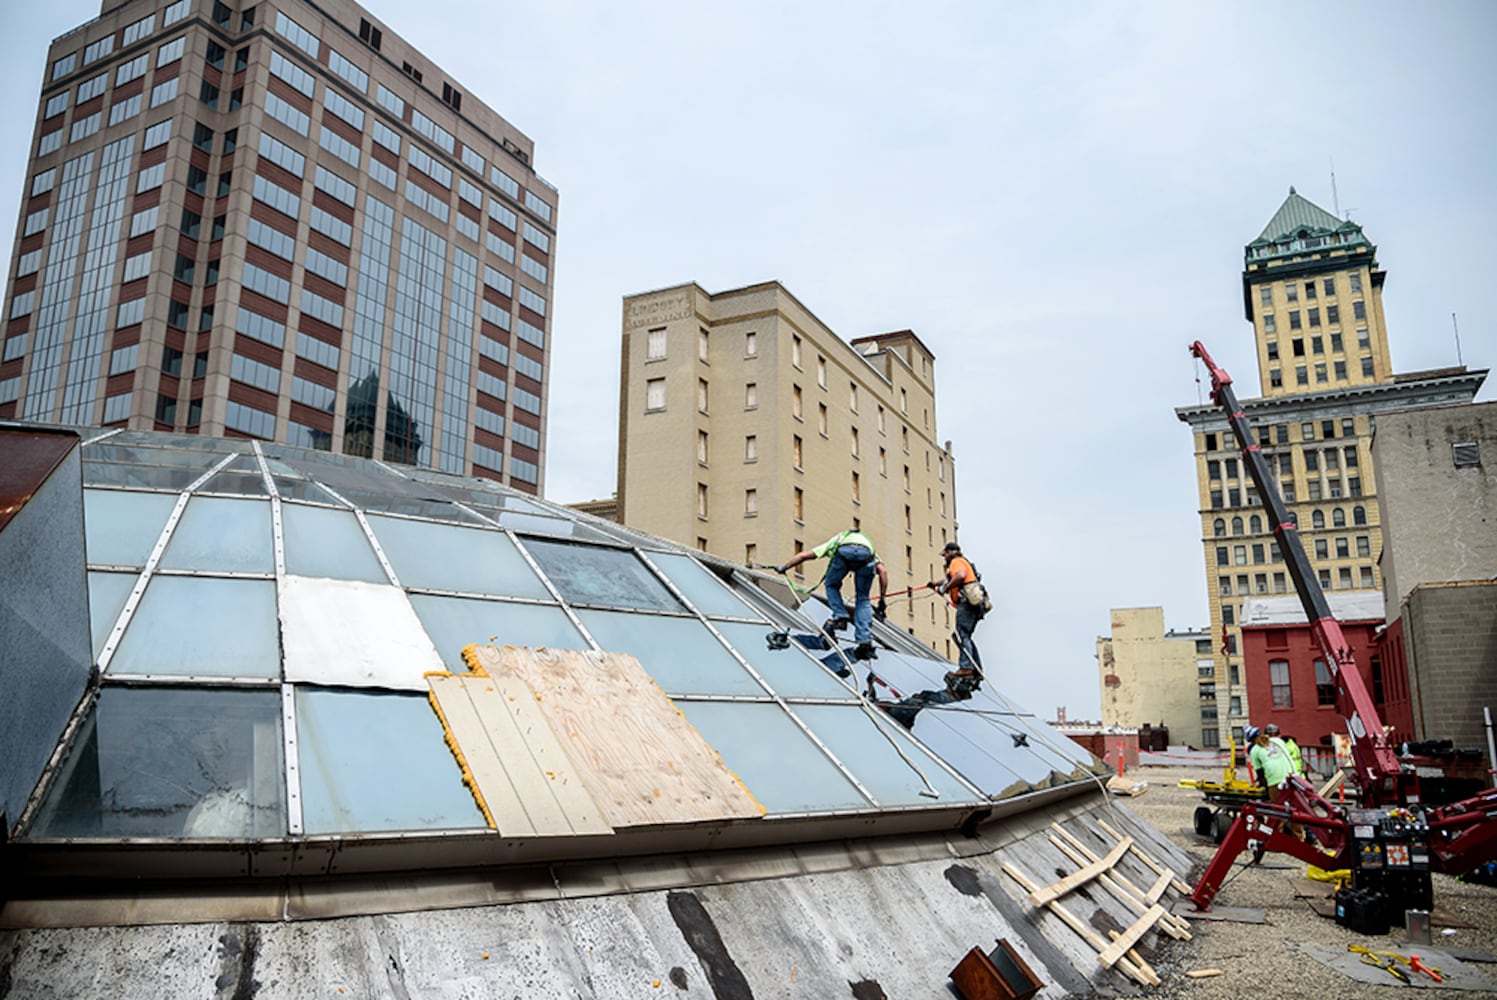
[1378,770]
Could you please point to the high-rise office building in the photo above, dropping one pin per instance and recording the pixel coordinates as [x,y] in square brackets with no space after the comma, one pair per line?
[750,430]
[280,221]
[1312,288]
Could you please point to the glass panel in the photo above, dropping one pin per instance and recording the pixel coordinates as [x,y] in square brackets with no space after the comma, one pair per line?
[321,541]
[789,671]
[121,528]
[776,761]
[446,557]
[682,656]
[377,762]
[300,489]
[250,484]
[587,574]
[701,587]
[176,442]
[981,747]
[150,477]
[866,749]
[107,593]
[536,524]
[394,503]
[206,626]
[214,534]
[115,449]
[172,762]
[900,676]
[455,622]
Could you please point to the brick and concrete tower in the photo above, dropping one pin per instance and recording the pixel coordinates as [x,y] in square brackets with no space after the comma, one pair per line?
[750,430]
[1312,288]
[280,220]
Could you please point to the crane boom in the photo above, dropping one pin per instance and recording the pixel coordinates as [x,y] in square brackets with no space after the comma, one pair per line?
[1377,766]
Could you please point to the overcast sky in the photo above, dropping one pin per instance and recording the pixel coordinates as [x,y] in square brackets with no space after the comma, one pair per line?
[1055,198]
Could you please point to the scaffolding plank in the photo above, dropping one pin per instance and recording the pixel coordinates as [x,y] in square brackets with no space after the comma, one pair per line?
[1079,877]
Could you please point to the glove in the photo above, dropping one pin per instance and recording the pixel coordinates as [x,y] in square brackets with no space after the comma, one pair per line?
[881,610]
[782,569]
[933,585]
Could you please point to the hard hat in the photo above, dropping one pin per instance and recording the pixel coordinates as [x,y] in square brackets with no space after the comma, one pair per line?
[1272,729]
[1250,733]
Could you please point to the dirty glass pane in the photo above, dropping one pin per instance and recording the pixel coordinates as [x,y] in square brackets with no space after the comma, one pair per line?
[122,527]
[447,557]
[301,489]
[868,751]
[612,578]
[682,656]
[116,449]
[900,676]
[982,748]
[455,622]
[536,524]
[700,585]
[250,484]
[776,761]
[328,542]
[172,762]
[790,671]
[175,443]
[145,477]
[207,626]
[222,535]
[373,762]
[107,593]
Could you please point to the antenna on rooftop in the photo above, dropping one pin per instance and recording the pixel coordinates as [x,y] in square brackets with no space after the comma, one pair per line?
[1335,199]
[1457,328]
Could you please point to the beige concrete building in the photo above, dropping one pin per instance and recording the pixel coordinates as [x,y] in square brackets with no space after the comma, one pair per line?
[283,222]
[1151,676]
[1312,289]
[750,430]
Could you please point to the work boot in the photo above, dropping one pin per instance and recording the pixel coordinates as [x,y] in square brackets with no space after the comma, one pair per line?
[865,651]
[837,624]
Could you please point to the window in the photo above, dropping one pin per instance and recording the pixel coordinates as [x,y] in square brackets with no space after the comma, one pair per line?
[701,499]
[751,448]
[1310,289]
[654,394]
[1322,549]
[702,395]
[852,396]
[798,505]
[1294,321]
[349,72]
[171,51]
[797,452]
[1343,549]
[1301,375]
[795,350]
[1221,556]
[1364,546]
[1359,310]
[1332,314]
[1465,454]
[369,34]
[854,442]
[1291,292]
[1270,325]
[821,371]
[856,482]
[452,97]
[1313,316]
[701,338]
[1265,295]
[1218,527]
[821,419]
[297,35]
[796,410]
[215,56]
[1239,555]
[751,344]
[750,503]
[57,104]
[750,395]
[90,89]
[1278,674]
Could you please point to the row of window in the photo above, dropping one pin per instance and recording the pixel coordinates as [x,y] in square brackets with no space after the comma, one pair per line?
[1317,344]
[1279,433]
[1322,373]
[1254,524]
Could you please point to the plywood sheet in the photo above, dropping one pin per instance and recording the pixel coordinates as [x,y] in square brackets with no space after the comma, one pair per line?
[520,774]
[642,762]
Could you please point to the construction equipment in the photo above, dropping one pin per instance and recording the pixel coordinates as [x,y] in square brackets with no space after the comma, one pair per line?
[1452,838]
[1225,798]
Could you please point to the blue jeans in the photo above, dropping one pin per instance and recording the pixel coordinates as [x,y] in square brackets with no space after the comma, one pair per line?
[967,618]
[858,560]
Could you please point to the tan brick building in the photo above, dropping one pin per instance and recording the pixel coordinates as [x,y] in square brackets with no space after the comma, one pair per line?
[1150,676]
[750,430]
[1312,289]
[284,222]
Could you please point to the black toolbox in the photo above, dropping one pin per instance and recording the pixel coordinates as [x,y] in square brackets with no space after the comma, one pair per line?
[1363,911]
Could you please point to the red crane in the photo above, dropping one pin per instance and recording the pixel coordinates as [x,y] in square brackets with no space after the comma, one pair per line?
[1459,836]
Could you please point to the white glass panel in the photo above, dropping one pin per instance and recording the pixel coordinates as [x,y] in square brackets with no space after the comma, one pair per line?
[329,543]
[121,527]
[455,622]
[701,587]
[377,762]
[865,748]
[106,599]
[447,557]
[353,634]
[682,656]
[790,671]
[223,535]
[205,626]
[172,762]
[776,761]
[586,574]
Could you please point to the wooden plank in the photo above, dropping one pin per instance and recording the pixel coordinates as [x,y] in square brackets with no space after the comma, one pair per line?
[1123,891]
[1075,923]
[1079,877]
[638,757]
[1130,937]
[483,773]
[551,791]
[1138,960]
[1124,886]
[1157,889]
[1139,853]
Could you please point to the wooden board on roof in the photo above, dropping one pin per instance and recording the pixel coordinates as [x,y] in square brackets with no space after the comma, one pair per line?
[642,762]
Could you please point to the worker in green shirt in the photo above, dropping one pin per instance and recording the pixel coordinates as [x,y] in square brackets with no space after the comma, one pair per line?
[1292,748]
[1269,760]
[852,552]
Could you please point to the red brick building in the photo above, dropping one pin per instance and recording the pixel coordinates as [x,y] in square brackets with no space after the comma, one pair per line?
[1286,676]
